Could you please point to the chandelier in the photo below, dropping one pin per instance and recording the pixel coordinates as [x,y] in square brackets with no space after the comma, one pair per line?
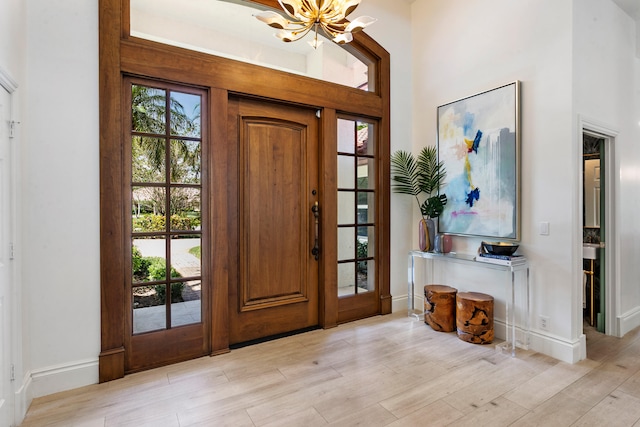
[306,15]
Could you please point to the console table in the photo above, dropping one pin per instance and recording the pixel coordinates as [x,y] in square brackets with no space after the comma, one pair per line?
[510,310]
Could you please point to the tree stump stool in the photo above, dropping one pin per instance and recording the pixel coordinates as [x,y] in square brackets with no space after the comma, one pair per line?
[440,307]
[474,317]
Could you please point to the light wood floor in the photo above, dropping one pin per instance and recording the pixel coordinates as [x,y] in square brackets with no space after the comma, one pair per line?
[382,371]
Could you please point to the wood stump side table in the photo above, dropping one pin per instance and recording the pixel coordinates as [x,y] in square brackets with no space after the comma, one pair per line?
[440,307]
[474,317]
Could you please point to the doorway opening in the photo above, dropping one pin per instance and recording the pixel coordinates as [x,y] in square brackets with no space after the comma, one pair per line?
[598,169]
[593,235]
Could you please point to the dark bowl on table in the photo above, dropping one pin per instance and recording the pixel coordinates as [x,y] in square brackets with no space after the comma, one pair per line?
[500,248]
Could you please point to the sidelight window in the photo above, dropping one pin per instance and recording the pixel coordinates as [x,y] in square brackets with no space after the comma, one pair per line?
[165,138]
[356,206]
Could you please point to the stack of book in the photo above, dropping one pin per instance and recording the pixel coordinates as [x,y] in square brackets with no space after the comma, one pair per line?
[507,260]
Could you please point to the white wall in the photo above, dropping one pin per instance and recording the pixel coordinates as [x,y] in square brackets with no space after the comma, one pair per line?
[11,40]
[606,90]
[60,192]
[638,38]
[573,58]
[463,47]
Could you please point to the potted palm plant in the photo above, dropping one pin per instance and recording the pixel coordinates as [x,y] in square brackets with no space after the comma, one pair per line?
[422,179]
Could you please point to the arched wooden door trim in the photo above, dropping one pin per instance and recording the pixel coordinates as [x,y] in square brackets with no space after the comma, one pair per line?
[120,55]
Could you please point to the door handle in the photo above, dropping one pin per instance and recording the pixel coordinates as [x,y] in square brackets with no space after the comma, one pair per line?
[315,251]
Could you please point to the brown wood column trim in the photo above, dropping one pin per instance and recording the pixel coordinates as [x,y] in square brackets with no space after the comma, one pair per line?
[329,238]
[111,360]
[111,363]
[220,255]
[144,57]
[384,202]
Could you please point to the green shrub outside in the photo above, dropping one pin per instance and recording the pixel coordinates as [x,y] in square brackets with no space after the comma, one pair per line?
[150,222]
[362,251]
[158,271]
[140,265]
[151,269]
[176,291]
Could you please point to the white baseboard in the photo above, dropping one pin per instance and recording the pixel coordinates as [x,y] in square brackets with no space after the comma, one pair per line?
[553,346]
[628,321]
[559,348]
[400,303]
[22,399]
[59,378]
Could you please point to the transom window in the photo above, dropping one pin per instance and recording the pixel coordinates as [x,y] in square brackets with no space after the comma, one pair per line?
[228,29]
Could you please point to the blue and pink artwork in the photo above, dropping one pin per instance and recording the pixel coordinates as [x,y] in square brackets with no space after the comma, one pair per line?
[478,144]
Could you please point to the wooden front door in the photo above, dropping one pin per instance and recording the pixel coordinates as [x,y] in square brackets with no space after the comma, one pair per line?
[276,290]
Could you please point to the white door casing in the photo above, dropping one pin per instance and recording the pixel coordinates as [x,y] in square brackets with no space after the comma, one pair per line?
[6,252]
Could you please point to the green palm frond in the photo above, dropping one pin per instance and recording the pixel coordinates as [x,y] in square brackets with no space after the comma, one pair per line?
[424,175]
[432,172]
[405,173]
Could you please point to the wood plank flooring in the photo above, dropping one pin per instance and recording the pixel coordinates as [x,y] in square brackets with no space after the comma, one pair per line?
[382,371]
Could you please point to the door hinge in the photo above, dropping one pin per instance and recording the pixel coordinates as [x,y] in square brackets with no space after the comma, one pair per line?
[12,375]
[11,255]
[12,128]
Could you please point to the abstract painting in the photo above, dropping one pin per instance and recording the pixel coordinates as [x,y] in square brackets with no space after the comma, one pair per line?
[478,143]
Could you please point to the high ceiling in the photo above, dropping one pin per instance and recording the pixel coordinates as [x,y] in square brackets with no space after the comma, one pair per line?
[632,7]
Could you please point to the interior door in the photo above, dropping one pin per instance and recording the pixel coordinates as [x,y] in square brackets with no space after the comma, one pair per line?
[6,410]
[602,197]
[277,286]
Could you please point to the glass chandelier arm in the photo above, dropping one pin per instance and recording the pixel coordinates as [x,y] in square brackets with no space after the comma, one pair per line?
[308,10]
[329,31]
[291,36]
[349,6]
[291,7]
[338,10]
[343,38]
[273,19]
[359,23]
[321,5]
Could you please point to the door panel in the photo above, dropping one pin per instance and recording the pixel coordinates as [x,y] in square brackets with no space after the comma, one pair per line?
[277,287]
[273,171]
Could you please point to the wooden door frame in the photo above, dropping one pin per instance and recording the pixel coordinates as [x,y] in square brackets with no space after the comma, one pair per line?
[120,54]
